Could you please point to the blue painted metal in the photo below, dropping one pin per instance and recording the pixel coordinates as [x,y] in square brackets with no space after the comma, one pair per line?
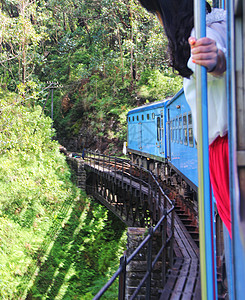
[143,135]
[158,143]
[208,271]
[237,256]
[223,4]
[183,154]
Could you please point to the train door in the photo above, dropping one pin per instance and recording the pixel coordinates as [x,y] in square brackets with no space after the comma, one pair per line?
[139,134]
[169,133]
[162,134]
[158,134]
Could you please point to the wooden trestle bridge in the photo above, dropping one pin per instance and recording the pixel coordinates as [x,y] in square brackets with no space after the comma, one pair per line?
[135,196]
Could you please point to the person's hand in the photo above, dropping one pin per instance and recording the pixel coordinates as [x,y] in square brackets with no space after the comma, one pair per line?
[204,52]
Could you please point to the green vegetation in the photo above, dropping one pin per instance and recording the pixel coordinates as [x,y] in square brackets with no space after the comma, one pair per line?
[107,57]
[48,228]
[80,260]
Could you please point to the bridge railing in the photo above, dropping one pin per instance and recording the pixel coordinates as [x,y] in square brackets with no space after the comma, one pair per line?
[164,224]
[123,169]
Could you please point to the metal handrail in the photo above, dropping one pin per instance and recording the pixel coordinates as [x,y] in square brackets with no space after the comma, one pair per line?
[115,161]
[126,260]
[118,165]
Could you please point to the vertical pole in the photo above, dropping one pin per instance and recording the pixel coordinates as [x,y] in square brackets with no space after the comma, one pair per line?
[122,278]
[130,176]
[172,240]
[140,184]
[149,187]
[235,262]
[208,272]
[164,239]
[149,256]
[122,172]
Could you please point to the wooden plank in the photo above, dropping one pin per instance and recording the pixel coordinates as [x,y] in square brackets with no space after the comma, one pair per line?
[192,278]
[185,240]
[171,279]
[181,280]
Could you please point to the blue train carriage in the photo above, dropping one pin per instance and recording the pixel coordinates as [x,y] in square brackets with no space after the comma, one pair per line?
[146,133]
[181,144]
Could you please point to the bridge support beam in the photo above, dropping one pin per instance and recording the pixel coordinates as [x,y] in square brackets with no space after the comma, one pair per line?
[77,165]
[137,268]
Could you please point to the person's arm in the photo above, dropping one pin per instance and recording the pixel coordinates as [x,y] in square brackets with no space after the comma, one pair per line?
[204,52]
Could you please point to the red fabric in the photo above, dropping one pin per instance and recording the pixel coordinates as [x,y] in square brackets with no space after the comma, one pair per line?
[219,176]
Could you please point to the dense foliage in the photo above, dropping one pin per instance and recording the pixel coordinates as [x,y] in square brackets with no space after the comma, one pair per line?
[96,60]
[37,197]
[107,56]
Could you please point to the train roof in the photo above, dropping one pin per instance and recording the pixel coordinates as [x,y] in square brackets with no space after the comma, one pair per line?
[148,106]
[154,105]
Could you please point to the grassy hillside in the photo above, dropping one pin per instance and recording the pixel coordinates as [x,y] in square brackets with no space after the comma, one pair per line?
[47,226]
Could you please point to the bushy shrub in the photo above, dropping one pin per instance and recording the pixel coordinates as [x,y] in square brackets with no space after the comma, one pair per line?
[156,85]
[34,185]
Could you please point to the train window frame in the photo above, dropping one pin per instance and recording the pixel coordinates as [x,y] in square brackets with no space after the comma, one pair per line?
[176,130]
[158,129]
[133,118]
[153,116]
[171,131]
[137,117]
[129,119]
[180,130]
[190,130]
[185,130]
[142,117]
[148,116]
[172,134]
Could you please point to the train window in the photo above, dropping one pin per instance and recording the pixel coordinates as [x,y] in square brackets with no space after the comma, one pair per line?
[190,137]
[190,131]
[173,127]
[133,118]
[171,131]
[137,118]
[184,120]
[148,117]
[185,137]
[158,128]
[142,117]
[176,130]
[129,119]
[180,130]
[153,116]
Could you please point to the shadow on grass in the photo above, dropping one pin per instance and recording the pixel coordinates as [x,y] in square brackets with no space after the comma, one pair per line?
[79,254]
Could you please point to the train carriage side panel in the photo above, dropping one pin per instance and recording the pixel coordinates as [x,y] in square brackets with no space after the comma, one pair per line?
[181,147]
[148,134]
[132,134]
[146,130]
